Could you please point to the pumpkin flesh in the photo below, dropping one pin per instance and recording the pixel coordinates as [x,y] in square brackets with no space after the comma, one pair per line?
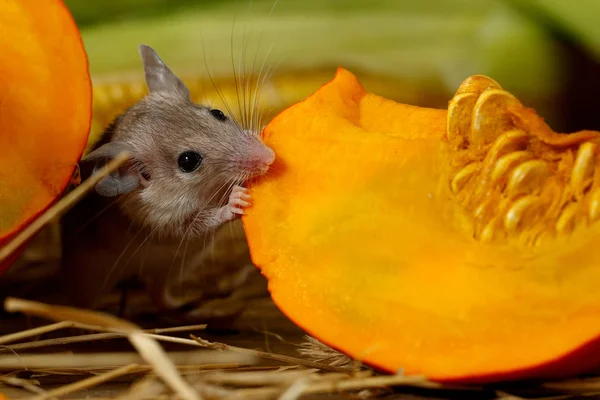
[414,238]
[46,108]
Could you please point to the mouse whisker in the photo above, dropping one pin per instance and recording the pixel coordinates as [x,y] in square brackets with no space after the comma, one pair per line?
[260,81]
[244,79]
[253,101]
[235,72]
[121,255]
[81,227]
[215,85]
[182,264]
[183,239]
[192,228]
[264,75]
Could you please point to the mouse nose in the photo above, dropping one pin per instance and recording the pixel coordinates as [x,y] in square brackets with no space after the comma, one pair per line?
[269,156]
[262,159]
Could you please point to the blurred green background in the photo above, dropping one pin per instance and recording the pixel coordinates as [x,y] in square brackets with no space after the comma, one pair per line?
[545,52]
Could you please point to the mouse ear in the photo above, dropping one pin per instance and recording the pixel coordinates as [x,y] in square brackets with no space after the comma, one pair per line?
[121,181]
[159,77]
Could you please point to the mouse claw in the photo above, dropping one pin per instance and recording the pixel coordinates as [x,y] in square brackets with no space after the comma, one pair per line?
[238,200]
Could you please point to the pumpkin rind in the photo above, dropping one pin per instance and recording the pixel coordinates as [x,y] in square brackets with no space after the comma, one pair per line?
[46,108]
[389,232]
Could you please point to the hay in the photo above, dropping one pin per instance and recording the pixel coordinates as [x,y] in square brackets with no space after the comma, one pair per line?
[208,370]
[219,370]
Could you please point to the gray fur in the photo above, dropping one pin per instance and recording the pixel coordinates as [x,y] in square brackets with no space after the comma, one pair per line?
[156,130]
[158,207]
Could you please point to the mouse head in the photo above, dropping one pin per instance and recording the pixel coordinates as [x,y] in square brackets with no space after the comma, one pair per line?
[186,157]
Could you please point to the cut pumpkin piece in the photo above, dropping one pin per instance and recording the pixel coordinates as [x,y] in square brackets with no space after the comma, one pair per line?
[459,244]
[45,112]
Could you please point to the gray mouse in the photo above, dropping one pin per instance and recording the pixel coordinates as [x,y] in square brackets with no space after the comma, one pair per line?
[182,183]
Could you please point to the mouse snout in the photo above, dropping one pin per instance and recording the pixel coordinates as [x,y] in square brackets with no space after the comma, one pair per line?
[260,159]
[268,156]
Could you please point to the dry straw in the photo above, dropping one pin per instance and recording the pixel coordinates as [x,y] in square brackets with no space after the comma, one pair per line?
[148,348]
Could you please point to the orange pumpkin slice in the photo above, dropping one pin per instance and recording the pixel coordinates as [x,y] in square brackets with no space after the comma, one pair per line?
[45,108]
[459,244]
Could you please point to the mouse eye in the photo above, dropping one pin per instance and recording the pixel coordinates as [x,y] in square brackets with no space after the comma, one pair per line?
[189,161]
[218,114]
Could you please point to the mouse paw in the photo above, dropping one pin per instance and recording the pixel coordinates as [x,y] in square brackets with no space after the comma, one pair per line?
[238,199]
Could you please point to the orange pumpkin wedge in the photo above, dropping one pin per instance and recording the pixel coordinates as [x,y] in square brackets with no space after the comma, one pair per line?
[460,244]
[45,108]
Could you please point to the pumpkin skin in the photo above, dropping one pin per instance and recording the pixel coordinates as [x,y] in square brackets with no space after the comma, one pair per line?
[46,109]
[459,244]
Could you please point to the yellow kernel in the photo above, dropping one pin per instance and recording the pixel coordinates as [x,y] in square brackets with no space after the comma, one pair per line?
[527,178]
